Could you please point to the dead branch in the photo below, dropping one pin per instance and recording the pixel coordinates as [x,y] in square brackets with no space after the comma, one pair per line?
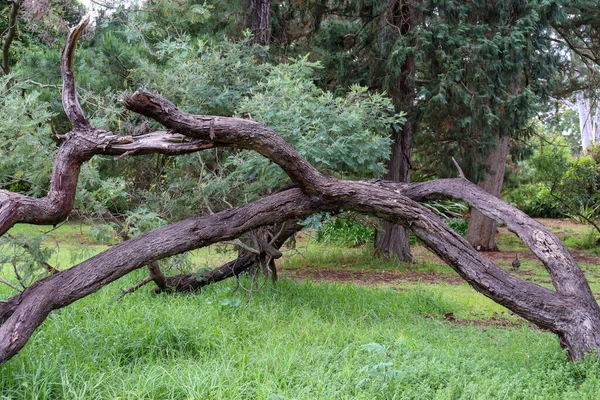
[69,94]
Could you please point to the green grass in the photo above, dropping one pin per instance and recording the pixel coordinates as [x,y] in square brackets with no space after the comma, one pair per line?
[328,256]
[304,340]
[297,340]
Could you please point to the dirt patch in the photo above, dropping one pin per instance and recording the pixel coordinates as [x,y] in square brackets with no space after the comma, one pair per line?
[495,320]
[506,257]
[502,322]
[369,277]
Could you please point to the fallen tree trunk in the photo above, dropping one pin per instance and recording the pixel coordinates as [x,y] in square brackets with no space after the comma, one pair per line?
[245,261]
[570,310]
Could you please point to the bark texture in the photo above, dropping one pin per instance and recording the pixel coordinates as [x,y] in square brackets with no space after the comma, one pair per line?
[10,36]
[481,232]
[570,310]
[391,240]
[260,11]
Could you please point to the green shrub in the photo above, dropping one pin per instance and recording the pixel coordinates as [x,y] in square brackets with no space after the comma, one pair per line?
[535,200]
[346,230]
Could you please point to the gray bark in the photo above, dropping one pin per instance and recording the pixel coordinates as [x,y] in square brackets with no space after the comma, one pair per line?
[260,11]
[585,120]
[597,123]
[481,232]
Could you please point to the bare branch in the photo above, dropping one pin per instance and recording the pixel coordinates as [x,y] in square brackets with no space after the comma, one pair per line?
[226,131]
[10,35]
[241,245]
[135,287]
[460,171]
[69,95]
[7,283]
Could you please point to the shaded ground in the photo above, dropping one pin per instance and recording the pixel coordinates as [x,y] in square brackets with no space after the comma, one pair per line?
[504,258]
[507,256]
[369,277]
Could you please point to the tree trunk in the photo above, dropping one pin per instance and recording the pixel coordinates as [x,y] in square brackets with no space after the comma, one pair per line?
[260,11]
[481,232]
[391,240]
[585,121]
[596,130]
[10,36]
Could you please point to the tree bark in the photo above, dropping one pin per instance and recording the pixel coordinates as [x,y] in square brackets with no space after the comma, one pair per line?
[585,120]
[596,133]
[481,232]
[391,240]
[260,11]
[244,262]
[10,35]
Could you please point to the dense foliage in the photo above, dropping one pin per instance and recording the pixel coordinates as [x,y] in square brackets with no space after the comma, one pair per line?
[482,70]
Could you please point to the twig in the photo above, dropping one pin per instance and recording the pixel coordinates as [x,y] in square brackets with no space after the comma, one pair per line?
[11,285]
[135,287]
[460,171]
[42,85]
[239,243]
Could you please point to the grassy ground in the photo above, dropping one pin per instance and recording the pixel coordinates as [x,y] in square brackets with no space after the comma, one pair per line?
[306,338]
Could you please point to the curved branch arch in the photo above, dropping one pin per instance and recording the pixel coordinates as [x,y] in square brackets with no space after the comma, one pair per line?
[570,311]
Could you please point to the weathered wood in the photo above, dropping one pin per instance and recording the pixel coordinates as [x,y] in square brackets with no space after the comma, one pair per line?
[244,261]
[233,132]
[69,93]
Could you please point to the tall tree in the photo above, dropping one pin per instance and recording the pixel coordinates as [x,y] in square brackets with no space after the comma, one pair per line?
[398,22]
[260,12]
[487,64]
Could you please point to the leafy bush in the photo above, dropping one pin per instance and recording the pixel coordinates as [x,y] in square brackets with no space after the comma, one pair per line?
[346,230]
[535,200]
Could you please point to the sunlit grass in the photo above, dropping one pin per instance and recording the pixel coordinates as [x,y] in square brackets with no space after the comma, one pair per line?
[302,340]
[297,340]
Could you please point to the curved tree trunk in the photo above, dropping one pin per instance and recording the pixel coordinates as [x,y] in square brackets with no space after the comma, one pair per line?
[570,310]
[481,232]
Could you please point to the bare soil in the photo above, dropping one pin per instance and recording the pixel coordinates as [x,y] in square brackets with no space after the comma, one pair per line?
[369,277]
